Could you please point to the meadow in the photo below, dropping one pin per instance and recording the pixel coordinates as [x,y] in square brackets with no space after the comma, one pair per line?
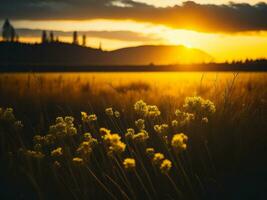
[161,135]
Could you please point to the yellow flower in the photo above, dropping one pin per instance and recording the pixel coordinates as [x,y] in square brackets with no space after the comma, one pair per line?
[179,142]
[84,116]
[84,149]
[199,106]
[141,108]
[57,164]
[57,152]
[175,123]
[161,129]
[205,120]
[153,111]
[130,133]
[87,136]
[140,124]
[117,114]
[113,141]
[104,131]
[141,136]
[109,111]
[34,154]
[157,159]
[129,163]
[92,118]
[150,152]
[165,166]
[77,161]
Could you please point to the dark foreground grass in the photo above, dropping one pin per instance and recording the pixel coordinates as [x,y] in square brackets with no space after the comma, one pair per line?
[224,156]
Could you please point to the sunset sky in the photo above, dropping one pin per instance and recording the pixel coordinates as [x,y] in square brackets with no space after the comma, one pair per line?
[227,31]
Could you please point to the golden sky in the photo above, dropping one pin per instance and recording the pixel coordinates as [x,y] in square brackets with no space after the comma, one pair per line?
[222,45]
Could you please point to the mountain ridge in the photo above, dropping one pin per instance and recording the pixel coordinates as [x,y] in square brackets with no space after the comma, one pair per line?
[69,54]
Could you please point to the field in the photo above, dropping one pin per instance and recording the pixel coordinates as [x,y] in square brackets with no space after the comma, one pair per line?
[161,135]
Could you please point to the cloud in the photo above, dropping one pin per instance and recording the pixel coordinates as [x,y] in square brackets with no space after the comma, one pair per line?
[232,17]
[129,36]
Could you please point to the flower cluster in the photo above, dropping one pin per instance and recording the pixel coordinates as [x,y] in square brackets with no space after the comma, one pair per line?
[63,127]
[129,163]
[114,143]
[142,136]
[183,118]
[153,111]
[7,114]
[109,111]
[57,152]
[86,147]
[179,142]
[165,166]
[199,106]
[162,129]
[140,124]
[78,161]
[88,118]
[143,109]
[33,154]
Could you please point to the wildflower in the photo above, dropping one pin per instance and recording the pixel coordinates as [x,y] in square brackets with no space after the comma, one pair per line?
[165,166]
[63,127]
[34,154]
[37,139]
[140,124]
[109,111]
[88,118]
[199,106]
[57,164]
[141,136]
[69,120]
[113,141]
[175,123]
[87,136]
[157,159]
[18,125]
[84,116]
[130,133]
[57,152]
[104,131]
[161,129]
[205,120]
[84,149]
[129,163]
[141,108]
[117,114]
[153,111]
[150,152]
[8,115]
[49,139]
[78,161]
[59,120]
[179,142]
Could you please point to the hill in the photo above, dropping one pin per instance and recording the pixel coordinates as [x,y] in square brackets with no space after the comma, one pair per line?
[68,54]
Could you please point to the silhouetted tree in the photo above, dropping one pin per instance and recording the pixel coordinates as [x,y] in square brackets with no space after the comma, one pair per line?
[17,38]
[100,46]
[9,32]
[84,40]
[44,37]
[51,36]
[75,38]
